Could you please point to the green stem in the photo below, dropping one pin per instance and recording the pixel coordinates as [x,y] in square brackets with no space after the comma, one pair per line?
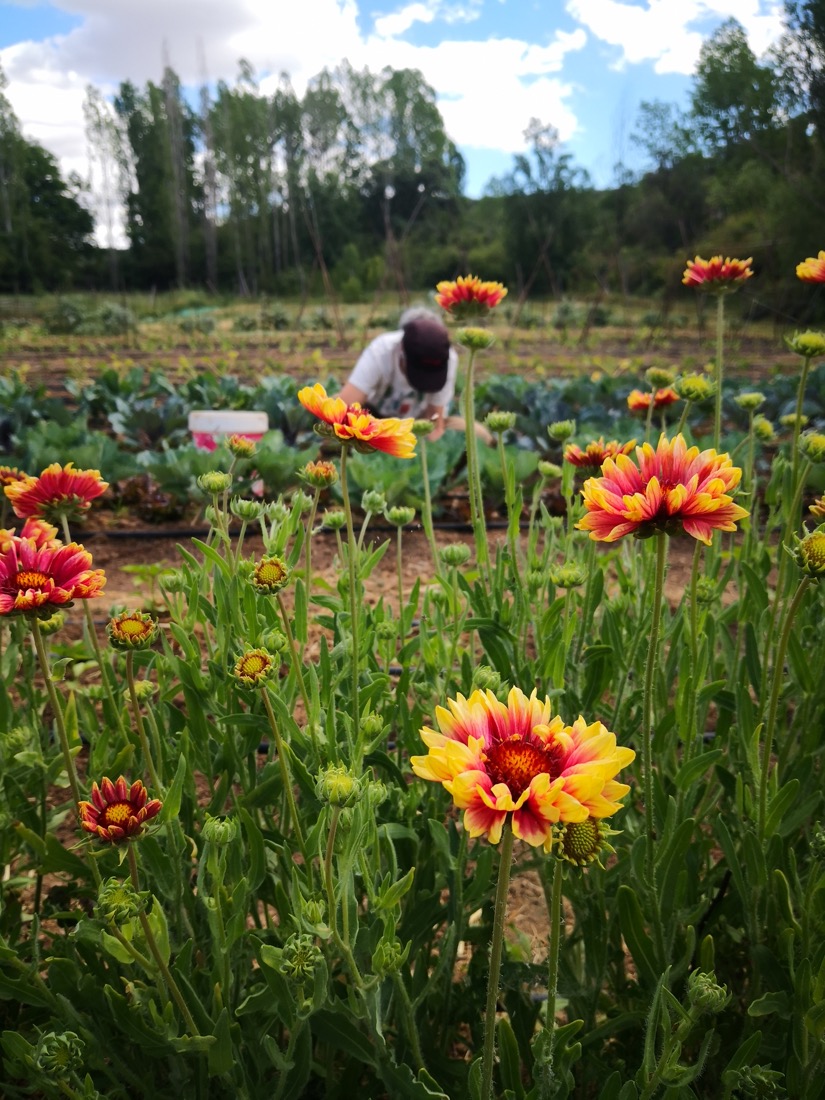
[473,474]
[308,544]
[332,906]
[427,511]
[555,916]
[800,398]
[295,656]
[496,948]
[407,1019]
[647,722]
[141,730]
[399,561]
[285,776]
[778,677]
[719,365]
[680,427]
[354,610]
[151,942]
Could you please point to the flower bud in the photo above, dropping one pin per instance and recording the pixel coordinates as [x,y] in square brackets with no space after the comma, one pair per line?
[818,507]
[220,831]
[810,345]
[810,553]
[246,510]
[144,689]
[386,630]
[475,339]
[812,445]
[215,481]
[581,842]
[254,668]
[455,555]
[270,575]
[549,470]
[500,422]
[301,502]
[334,520]
[486,678]
[659,377]
[276,511]
[320,475]
[817,843]
[51,625]
[241,446]
[790,420]
[399,516]
[373,501]
[132,630]
[118,902]
[694,387]
[299,959]
[763,430]
[313,911]
[59,1056]
[705,994]
[422,428]
[561,430]
[750,401]
[275,641]
[372,725]
[337,786]
[535,580]
[389,957]
[757,1080]
[172,581]
[705,591]
[568,575]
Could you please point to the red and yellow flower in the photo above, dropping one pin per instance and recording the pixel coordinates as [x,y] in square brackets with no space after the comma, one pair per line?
[640,401]
[59,490]
[36,530]
[596,452]
[515,760]
[118,811]
[717,273]
[10,475]
[667,490]
[812,270]
[353,424]
[468,296]
[46,575]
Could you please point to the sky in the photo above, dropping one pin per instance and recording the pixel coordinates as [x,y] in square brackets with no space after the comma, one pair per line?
[583,66]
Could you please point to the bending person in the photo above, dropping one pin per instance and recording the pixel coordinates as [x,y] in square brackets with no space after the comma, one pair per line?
[410,372]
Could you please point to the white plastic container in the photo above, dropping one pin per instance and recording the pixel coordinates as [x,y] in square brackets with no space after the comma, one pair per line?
[209,426]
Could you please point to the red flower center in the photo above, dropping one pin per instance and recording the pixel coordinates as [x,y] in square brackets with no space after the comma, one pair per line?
[517,762]
[30,578]
[117,813]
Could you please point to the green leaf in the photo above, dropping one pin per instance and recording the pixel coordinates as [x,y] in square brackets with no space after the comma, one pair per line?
[509,1058]
[221,1056]
[335,1027]
[174,796]
[632,925]
[770,1003]
[696,768]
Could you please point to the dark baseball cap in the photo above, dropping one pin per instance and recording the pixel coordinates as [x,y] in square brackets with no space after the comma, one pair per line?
[426,347]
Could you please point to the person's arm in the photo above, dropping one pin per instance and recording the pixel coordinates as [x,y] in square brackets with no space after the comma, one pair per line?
[436,414]
[351,394]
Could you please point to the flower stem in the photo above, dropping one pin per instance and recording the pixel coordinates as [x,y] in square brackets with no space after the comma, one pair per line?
[295,656]
[141,730]
[555,916]
[399,562]
[473,475]
[285,776]
[720,349]
[427,510]
[647,722]
[354,609]
[800,397]
[342,945]
[778,677]
[166,973]
[496,948]
[308,544]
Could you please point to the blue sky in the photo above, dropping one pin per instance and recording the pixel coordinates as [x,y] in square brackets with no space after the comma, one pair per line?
[581,65]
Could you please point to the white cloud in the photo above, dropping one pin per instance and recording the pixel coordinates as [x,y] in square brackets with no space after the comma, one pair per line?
[388,26]
[663,31]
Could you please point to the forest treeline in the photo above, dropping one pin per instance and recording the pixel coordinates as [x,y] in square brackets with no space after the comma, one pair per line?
[356,186]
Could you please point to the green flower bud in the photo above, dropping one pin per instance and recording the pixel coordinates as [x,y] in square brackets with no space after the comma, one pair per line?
[313,911]
[818,843]
[561,430]
[246,510]
[475,339]
[375,793]
[386,630]
[220,831]
[760,1081]
[486,678]
[299,959]
[706,591]
[659,377]
[422,428]
[400,517]
[276,511]
[51,625]
[705,994]
[301,502]
[437,596]
[750,401]
[338,786]
[694,387]
[144,689]
[389,957]
[810,345]
[210,515]
[118,902]
[554,523]
[255,667]
[59,1056]
[549,470]
[270,575]
[172,581]
[372,725]
[241,446]
[455,555]
[499,422]
[763,429]
[810,553]
[790,420]
[320,475]
[581,842]
[812,445]
[213,482]
[568,575]
[373,501]
[275,641]
[334,520]
[535,580]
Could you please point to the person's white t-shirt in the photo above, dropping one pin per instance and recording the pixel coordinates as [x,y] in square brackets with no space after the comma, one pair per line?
[387,392]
